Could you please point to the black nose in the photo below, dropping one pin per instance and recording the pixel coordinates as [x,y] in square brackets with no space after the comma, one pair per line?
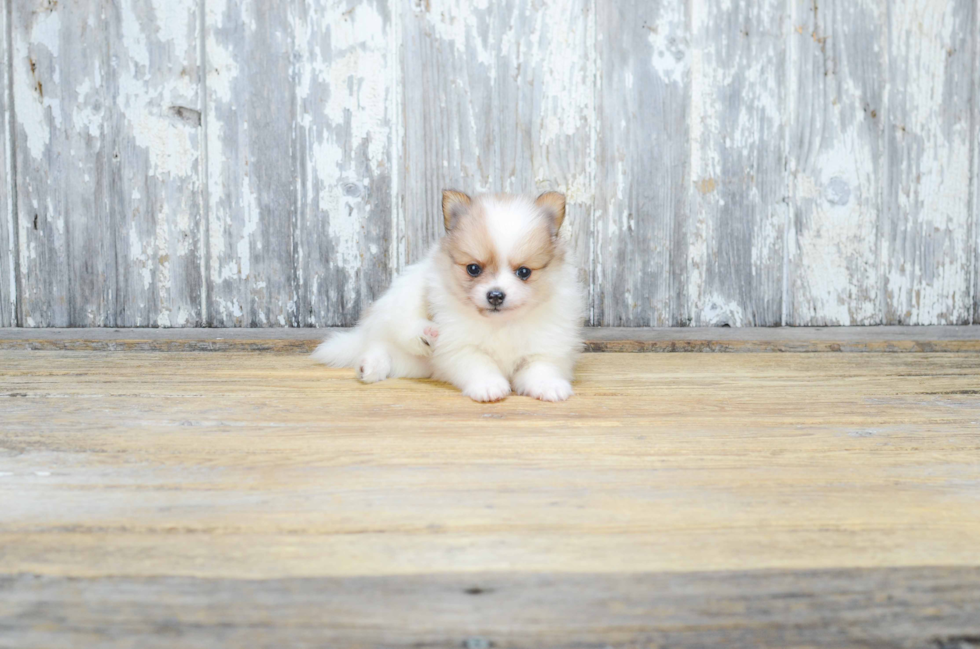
[495,297]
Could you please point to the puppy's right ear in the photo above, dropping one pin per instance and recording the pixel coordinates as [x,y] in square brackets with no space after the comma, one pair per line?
[454,205]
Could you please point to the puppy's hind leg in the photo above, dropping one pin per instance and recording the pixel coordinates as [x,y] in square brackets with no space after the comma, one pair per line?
[374,364]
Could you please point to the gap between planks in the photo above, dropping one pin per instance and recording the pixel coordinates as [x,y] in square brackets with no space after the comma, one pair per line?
[936,339]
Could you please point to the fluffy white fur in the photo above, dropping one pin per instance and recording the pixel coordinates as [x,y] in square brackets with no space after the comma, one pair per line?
[434,321]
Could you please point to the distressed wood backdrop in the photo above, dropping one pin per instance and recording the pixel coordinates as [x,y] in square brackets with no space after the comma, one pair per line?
[274,163]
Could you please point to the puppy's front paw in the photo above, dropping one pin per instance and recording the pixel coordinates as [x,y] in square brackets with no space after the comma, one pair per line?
[373,368]
[493,388]
[552,389]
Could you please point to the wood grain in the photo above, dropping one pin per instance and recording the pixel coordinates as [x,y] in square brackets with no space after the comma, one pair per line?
[267,466]
[8,223]
[153,128]
[688,499]
[928,242]
[738,182]
[299,162]
[917,608]
[342,64]
[643,166]
[835,158]
[975,169]
[252,200]
[66,231]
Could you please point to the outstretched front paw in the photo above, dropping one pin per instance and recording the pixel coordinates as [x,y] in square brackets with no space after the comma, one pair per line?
[549,389]
[491,388]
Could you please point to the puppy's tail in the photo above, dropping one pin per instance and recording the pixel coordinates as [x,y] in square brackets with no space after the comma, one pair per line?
[341,349]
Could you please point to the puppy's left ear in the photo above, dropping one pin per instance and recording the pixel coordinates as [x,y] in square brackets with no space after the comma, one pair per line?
[454,205]
[552,204]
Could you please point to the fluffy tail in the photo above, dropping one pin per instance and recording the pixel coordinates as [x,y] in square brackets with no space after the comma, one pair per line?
[341,349]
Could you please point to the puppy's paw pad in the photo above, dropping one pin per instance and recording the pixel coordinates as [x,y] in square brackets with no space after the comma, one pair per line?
[423,347]
[488,390]
[372,369]
[551,390]
[426,341]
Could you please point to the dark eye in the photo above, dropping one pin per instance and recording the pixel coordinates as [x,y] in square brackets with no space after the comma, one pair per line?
[523,272]
[474,270]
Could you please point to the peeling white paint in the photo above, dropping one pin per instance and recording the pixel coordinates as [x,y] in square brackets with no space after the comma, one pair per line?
[670,43]
[251,216]
[139,257]
[41,48]
[148,102]
[457,23]
[9,222]
[927,261]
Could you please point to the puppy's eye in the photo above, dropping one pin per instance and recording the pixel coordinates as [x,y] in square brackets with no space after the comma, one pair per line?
[523,272]
[474,270]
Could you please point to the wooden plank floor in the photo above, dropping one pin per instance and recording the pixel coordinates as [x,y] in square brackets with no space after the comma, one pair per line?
[685,500]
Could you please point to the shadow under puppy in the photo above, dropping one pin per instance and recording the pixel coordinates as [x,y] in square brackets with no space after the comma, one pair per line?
[495,306]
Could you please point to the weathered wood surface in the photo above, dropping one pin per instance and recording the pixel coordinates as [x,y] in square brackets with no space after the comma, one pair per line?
[153,126]
[743,163]
[835,155]
[67,234]
[8,246]
[928,242]
[738,182]
[740,500]
[641,180]
[915,608]
[936,339]
[344,78]
[106,136]
[975,172]
[251,150]
[299,155]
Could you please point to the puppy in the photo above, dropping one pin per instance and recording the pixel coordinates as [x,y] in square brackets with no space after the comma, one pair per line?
[494,307]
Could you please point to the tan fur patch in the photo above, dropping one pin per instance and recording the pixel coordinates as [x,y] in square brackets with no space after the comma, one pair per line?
[469,242]
[454,205]
[553,204]
[535,251]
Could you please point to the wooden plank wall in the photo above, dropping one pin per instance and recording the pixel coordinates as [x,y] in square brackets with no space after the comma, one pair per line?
[173,163]
[8,245]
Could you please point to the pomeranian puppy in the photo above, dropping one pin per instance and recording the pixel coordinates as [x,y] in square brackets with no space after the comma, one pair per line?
[496,306]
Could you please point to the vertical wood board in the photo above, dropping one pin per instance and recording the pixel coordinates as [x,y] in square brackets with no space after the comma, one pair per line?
[252,198]
[835,160]
[8,247]
[153,127]
[738,206]
[642,163]
[67,237]
[927,245]
[344,162]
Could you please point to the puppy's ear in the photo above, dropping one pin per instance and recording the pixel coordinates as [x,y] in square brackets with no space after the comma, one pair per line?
[552,204]
[454,205]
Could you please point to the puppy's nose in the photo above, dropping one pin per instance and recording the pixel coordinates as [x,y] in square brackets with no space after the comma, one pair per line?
[495,297]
